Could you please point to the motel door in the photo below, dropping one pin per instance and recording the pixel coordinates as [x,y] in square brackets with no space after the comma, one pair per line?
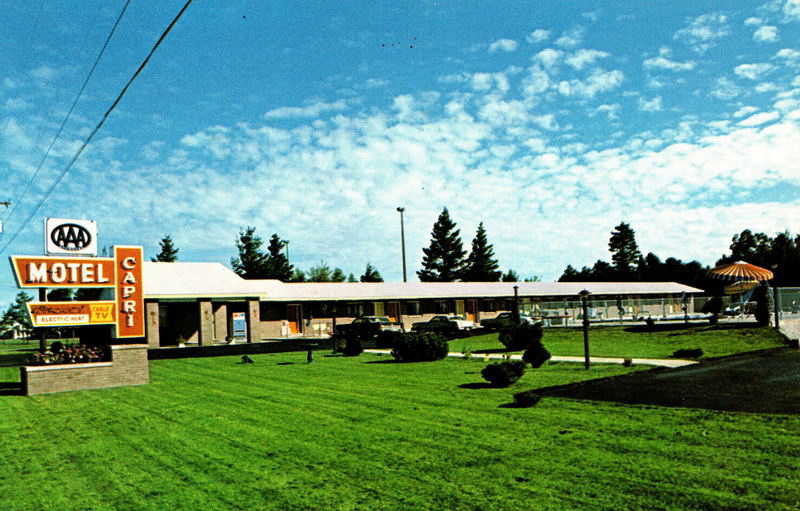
[295,316]
[472,310]
[393,311]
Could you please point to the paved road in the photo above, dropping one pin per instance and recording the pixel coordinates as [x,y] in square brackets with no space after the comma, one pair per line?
[592,360]
[762,382]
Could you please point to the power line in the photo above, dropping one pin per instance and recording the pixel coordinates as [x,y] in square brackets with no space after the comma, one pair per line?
[69,113]
[97,128]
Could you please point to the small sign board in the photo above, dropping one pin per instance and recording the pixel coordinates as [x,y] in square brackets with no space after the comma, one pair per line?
[72,313]
[239,324]
[70,237]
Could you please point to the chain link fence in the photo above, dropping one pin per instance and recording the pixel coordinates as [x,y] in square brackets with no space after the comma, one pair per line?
[787,305]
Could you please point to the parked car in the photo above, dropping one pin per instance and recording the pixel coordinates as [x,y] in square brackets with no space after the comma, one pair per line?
[369,326]
[503,320]
[463,323]
[442,324]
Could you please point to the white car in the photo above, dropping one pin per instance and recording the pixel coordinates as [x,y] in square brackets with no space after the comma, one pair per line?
[462,322]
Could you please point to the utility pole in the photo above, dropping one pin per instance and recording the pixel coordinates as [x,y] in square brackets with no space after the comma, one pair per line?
[403,242]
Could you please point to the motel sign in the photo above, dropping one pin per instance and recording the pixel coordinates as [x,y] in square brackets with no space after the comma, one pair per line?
[122,273]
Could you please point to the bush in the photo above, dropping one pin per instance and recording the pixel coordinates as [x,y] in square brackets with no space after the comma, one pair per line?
[519,337]
[420,347]
[68,354]
[536,354]
[503,374]
[688,353]
[763,298]
[713,306]
[387,338]
[526,398]
[351,345]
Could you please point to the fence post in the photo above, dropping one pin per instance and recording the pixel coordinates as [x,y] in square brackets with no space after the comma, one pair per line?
[776,301]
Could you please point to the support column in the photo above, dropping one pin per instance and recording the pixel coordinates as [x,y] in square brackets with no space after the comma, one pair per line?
[221,331]
[206,326]
[152,324]
[253,321]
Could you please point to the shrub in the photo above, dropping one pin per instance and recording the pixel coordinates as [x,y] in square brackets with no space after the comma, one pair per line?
[518,337]
[503,374]
[627,362]
[763,297]
[387,338]
[713,306]
[526,398]
[688,353]
[68,354]
[420,347]
[352,345]
[536,354]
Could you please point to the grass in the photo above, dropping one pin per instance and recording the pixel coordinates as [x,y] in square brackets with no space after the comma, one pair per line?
[636,342]
[366,433]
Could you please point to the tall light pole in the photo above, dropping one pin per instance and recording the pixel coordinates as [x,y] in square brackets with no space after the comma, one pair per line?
[585,306]
[403,242]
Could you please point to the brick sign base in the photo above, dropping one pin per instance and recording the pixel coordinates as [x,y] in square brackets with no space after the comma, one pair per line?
[128,366]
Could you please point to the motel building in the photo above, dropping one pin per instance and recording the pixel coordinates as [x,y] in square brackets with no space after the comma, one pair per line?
[207,303]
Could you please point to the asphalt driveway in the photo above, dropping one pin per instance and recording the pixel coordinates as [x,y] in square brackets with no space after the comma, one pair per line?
[764,382]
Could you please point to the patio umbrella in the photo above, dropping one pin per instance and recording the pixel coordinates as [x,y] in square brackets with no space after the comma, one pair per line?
[741,270]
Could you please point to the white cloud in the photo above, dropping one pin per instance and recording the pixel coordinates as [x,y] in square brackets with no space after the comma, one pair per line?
[313,109]
[788,54]
[753,21]
[753,71]
[548,57]
[597,82]
[670,65]
[652,105]
[506,45]
[44,73]
[766,34]
[702,32]
[538,35]
[759,119]
[725,89]
[745,110]
[583,57]
[611,111]
[791,10]
[571,38]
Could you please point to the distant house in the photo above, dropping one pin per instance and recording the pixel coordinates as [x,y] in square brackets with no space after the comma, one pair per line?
[13,331]
[207,302]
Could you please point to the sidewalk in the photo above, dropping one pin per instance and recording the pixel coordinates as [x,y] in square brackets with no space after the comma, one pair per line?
[594,360]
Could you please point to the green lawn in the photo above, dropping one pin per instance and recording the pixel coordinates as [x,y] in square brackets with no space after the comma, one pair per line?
[366,433]
[615,341]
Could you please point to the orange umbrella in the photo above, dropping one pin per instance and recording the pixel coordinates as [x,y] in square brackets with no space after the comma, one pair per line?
[741,270]
[740,287]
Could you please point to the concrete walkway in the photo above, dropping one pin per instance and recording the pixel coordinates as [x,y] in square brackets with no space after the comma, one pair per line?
[593,360]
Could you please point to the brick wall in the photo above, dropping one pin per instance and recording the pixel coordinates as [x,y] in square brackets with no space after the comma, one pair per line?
[128,366]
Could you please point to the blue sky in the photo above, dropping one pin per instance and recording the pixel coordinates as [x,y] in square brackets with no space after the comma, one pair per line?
[550,121]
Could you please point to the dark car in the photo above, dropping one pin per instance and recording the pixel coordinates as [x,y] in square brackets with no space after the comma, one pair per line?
[503,320]
[369,326]
[442,324]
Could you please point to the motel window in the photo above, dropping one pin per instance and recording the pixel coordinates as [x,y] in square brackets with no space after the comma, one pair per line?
[486,305]
[271,311]
[411,309]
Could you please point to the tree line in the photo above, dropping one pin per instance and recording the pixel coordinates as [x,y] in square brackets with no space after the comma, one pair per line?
[780,254]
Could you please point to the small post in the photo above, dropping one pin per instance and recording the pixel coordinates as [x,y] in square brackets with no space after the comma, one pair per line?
[515,315]
[42,331]
[585,304]
[403,241]
[776,300]
[310,355]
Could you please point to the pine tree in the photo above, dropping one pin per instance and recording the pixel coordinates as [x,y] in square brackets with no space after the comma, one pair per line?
[168,254]
[444,259]
[511,276]
[276,265]
[371,275]
[17,314]
[481,265]
[251,261]
[624,250]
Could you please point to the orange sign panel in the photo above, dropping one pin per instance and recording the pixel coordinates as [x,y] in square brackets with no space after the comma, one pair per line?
[32,271]
[128,263]
[72,313]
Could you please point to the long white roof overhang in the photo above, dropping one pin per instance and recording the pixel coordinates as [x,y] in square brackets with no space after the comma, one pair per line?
[213,280]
